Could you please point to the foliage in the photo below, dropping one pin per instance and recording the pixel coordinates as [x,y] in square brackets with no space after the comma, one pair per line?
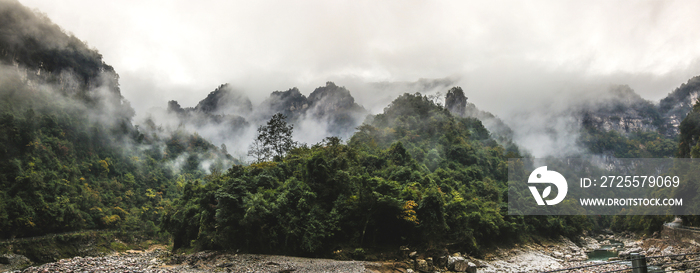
[274,139]
[637,144]
[689,146]
[415,175]
[70,158]
[63,172]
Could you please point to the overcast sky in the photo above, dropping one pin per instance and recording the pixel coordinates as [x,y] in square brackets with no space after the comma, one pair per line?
[505,54]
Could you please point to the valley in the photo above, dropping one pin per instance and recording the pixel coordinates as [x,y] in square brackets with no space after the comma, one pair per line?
[289,182]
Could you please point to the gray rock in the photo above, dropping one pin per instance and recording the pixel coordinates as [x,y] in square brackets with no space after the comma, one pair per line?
[667,251]
[14,260]
[471,267]
[458,264]
[636,250]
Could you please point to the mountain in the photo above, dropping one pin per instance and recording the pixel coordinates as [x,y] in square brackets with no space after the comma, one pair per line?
[333,105]
[624,111]
[330,102]
[617,122]
[220,115]
[70,157]
[41,51]
[291,103]
[621,110]
[227,116]
[413,174]
[456,102]
[225,100]
[620,123]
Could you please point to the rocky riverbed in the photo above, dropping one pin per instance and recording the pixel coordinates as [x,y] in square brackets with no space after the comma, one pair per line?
[564,253]
[532,257]
[159,260]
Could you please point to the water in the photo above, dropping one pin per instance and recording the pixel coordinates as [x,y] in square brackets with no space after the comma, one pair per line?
[605,252]
[601,255]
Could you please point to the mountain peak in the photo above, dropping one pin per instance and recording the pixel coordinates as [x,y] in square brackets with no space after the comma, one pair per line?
[225,100]
[332,97]
[290,103]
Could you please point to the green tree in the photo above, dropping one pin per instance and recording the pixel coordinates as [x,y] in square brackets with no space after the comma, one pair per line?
[257,149]
[276,136]
[689,146]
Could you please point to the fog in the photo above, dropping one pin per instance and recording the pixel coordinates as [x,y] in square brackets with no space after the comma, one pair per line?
[526,62]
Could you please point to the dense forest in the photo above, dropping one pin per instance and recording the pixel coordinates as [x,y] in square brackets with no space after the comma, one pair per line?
[414,175]
[70,158]
[420,173]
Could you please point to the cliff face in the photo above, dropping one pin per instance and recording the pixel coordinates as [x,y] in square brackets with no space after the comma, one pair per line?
[678,104]
[456,101]
[620,110]
[42,53]
[624,111]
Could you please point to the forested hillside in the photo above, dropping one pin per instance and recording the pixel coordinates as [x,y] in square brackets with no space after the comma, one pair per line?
[418,173]
[70,158]
[414,175]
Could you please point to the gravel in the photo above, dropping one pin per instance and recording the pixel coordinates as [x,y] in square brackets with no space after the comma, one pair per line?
[161,261]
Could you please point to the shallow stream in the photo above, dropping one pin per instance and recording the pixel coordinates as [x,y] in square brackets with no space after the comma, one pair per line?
[607,251]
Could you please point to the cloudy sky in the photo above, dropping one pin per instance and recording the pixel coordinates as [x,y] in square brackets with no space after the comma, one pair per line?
[505,54]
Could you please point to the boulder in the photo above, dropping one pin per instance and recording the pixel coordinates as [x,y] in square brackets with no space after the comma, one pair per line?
[422,265]
[636,250]
[14,260]
[667,251]
[458,264]
[413,255]
[441,262]
[653,250]
[471,267]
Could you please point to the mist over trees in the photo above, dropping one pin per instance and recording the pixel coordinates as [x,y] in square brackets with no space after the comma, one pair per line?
[415,174]
[70,157]
[456,101]
[227,116]
[274,140]
[324,174]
